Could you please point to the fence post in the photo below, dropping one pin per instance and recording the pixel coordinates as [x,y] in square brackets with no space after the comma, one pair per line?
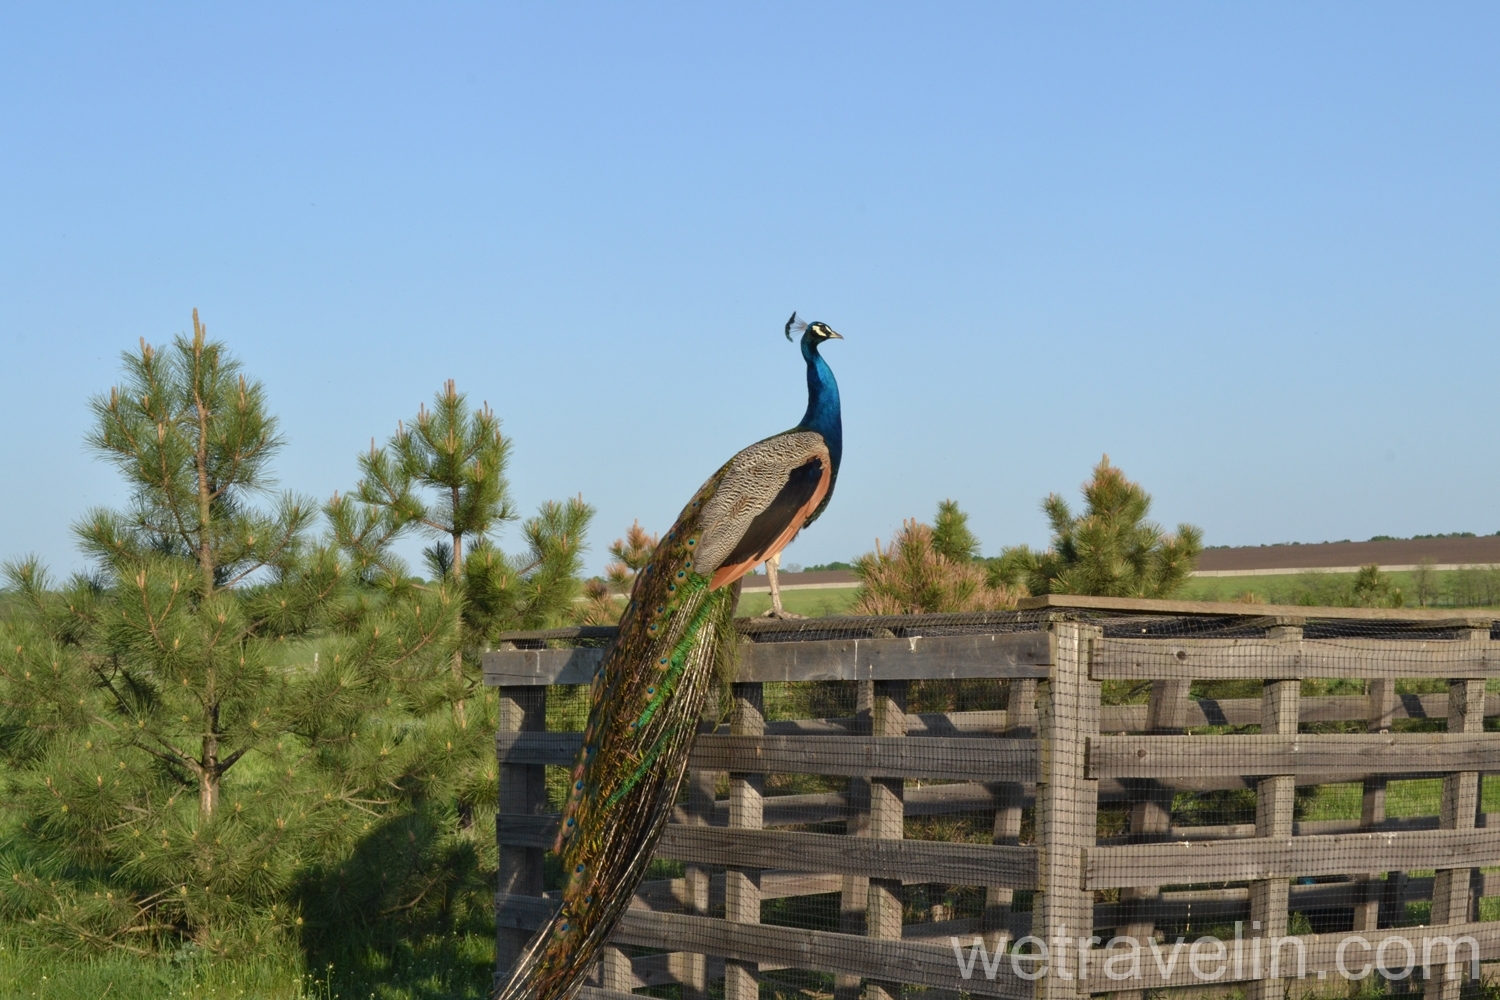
[742,885]
[1450,889]
[1020,724]
[1151,808]
[701,788]
[1275,809]
[1378,717]
[522,792]
[887,822]
[1066,807]
[854,898]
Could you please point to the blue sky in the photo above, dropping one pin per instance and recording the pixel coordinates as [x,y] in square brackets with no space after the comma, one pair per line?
[1250,251]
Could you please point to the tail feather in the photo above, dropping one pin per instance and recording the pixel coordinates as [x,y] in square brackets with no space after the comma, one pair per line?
[647,698]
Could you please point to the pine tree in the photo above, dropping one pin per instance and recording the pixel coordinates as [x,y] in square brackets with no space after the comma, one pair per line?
[1110,549]
[1373,589]
[603,596]
[445,476]
[631,553]
[189,728]
[930,569]
[951,536]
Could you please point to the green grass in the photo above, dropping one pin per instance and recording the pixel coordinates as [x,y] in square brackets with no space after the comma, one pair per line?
[813,603]
[1474,587]
[449,968]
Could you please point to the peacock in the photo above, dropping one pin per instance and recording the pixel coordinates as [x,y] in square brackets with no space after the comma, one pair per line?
[650,688]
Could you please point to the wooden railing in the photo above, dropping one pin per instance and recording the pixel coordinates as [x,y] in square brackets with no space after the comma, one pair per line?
[1053,753]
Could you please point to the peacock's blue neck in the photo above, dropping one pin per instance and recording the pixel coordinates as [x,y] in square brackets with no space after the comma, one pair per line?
[822,402]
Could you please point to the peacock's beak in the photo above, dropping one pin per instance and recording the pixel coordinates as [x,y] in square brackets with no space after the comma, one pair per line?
[834,334]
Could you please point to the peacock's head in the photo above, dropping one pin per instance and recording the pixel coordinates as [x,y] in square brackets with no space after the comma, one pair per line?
[815,332]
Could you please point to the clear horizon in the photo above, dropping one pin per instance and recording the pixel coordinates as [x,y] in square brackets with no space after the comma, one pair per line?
[1250,253]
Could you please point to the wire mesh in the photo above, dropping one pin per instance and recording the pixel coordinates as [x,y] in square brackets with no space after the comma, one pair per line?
[1248,778]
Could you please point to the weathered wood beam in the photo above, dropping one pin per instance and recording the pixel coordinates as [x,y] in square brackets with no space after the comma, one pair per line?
[1001,654]
[937,758]
[1330,757]
[1293,658]
[1190,862]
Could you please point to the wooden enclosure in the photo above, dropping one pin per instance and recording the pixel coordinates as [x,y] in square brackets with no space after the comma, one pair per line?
[1084,768]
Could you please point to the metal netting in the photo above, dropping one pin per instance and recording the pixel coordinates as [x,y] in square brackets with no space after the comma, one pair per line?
[877,798]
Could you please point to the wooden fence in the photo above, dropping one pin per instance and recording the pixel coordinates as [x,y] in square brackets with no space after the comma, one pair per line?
[1101,714]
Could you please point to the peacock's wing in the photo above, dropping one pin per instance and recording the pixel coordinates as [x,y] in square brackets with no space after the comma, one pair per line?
[772,490]
[649,692]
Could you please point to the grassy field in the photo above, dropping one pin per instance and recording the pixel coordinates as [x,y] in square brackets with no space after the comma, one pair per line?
[1474,587]
[437,969]
[814,603]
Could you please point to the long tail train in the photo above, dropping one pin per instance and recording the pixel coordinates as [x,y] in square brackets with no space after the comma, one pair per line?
[646,700]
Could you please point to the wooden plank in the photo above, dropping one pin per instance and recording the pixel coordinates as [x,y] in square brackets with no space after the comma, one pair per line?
[697,880]
[677,895]
[1246,711]
[914,860]
[977,724]
[742,896]
[1010,799]
[973,796]
[1066,800]
[1429,616]
[854,892]
[1289,659]
[1304,828]
[1331,757]
[1151,812]
[522,797]
[1188,862]
[1460,802]
[1227,905]
[999,654]
[823,951]
[1380,708]
[1275,809]
[887,825]
[933,758]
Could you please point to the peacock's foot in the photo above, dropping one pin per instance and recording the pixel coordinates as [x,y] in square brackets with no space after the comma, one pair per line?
[785,615]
